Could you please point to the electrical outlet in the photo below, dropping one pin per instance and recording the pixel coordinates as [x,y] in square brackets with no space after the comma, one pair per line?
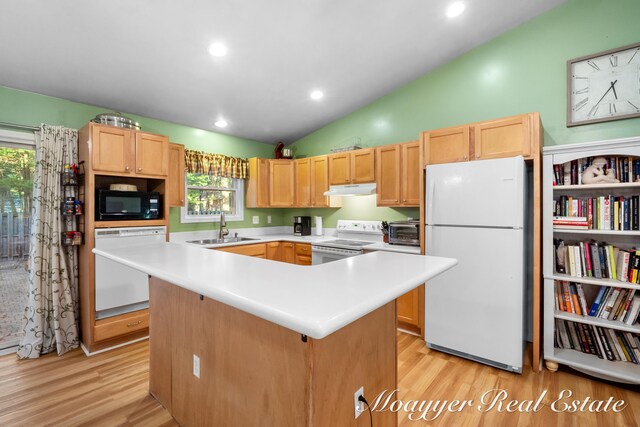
[358,407]
[196,366]
[256,219]
[268,219]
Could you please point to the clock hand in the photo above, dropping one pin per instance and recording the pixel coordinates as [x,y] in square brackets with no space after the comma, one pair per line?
[605,94]
[613,86]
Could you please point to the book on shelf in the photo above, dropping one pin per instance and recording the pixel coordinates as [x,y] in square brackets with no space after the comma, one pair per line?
[602,302]
[598,260]
[607,212]
[624,168]
[604,343]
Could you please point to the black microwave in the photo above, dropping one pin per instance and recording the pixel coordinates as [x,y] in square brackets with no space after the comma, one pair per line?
[123,205]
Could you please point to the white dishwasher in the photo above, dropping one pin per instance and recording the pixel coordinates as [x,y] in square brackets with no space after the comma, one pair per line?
[120,289]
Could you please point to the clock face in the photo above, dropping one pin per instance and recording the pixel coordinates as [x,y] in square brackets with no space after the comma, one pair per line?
[604,87]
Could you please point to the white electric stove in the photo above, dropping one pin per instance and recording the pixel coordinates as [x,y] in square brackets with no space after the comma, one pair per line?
[353,237]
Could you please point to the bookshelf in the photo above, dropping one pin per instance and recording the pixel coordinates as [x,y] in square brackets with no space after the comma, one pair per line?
[562,321]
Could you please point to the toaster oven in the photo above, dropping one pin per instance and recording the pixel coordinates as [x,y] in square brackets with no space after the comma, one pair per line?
[404,233]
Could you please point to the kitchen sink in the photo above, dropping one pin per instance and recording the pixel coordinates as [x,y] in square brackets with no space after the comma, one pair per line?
[218,241]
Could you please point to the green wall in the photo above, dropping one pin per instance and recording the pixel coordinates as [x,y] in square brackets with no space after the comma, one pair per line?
[523,70]
[520,71]
[28,108]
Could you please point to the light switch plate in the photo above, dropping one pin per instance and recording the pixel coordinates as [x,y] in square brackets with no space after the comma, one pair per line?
[256,219]
[268,219]
[196,366]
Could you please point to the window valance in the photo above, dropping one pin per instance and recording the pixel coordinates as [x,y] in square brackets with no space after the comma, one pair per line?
[216,164]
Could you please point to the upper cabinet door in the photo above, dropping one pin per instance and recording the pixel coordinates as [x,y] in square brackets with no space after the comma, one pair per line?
[319,181]
[152,154]
[411,173]
[303,182]
[446,145]
[281,183]
[111,149]
[388,171]
[363,166]
[506,137]
[175,180]
[340,168]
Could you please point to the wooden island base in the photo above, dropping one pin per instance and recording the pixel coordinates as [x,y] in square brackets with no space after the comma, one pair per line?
[254,372]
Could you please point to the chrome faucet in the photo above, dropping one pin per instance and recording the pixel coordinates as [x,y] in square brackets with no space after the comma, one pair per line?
[223,227]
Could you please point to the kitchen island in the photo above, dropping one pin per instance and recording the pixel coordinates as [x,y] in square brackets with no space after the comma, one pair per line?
[276,343]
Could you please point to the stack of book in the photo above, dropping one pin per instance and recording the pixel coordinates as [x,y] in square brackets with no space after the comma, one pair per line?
[600,213]
[610,303]
[598,260]
[602,342]
[570,223]
[623,168]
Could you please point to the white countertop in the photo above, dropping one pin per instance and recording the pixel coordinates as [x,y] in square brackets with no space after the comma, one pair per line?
[374,246]
[312,300]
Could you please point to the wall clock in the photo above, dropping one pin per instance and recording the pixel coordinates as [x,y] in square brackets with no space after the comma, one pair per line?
[604,86]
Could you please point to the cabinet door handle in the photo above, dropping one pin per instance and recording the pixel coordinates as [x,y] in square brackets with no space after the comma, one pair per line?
[465,157]
[126,168]
[139,169]
[129,325]
[181,200]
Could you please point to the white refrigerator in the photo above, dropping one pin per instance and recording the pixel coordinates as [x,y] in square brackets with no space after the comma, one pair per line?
[475,212]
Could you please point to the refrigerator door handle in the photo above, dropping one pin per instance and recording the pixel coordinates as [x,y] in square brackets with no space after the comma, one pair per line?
[430,195]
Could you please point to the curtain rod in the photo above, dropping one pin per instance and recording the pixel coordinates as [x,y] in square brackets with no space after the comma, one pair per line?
[18,126]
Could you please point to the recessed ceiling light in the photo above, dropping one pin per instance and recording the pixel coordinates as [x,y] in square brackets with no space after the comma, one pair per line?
[317,94]
[221,123]
[217,49]
[455,9]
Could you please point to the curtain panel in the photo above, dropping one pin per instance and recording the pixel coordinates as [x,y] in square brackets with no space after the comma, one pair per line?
[216,164]
[50,317]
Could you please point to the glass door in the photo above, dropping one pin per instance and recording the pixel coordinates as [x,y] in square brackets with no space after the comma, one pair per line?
[17,164]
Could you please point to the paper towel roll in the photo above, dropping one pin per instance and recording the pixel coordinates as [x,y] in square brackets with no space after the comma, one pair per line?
[318,226]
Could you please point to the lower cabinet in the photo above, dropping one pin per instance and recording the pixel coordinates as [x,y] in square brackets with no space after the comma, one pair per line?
[293,253]
[410,310]
[288,252]
[258,250]
[303,254]
[274,251]
[121,325]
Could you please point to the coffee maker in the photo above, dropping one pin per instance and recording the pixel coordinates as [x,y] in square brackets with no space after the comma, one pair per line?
[301,225]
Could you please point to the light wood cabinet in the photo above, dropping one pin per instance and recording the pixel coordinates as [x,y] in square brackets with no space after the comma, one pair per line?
[501,138]
[411,173]
[340,168]
[281,183]
[352,167]
[410,310]
[389,175]
[124,151]
[288,252]
[319,181]
[175,179]
[258,183]
[152,154]
[114,155]
[446,145]
[111,149]
[303,254]
[258,250]
[398,174]
[303,182]
[363,166]
[274,251]
[121,325]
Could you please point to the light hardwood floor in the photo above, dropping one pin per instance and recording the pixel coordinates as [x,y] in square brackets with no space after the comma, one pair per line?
[112,389]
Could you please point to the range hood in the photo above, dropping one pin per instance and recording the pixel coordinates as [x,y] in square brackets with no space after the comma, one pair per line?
[351,190]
